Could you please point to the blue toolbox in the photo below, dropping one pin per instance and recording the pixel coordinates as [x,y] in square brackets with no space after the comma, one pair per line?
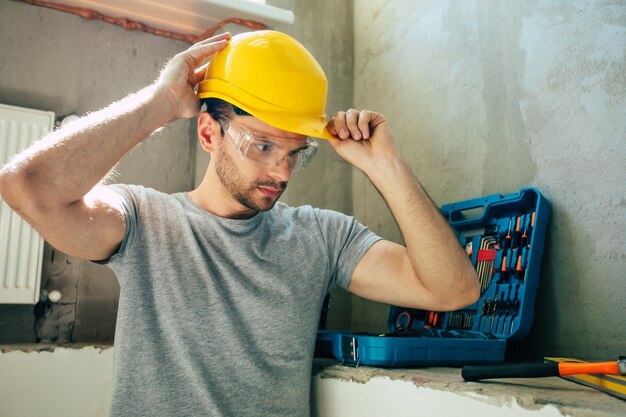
[504,237]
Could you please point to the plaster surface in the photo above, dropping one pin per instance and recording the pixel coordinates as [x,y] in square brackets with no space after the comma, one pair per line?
[84,374]
[488,97]
[63,63]
[483,97]
[442,391]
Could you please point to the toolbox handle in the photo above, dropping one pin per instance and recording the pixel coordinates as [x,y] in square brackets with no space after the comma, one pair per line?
[453,212]
[467,215]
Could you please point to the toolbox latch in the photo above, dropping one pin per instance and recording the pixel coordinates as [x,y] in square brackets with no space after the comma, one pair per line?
[350,351]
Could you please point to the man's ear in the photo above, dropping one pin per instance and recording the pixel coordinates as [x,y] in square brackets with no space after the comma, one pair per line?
[208,130]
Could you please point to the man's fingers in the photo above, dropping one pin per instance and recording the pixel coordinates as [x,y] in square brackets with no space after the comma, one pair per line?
[196,57]
[353,124]
[209,44]
[199,74]
[364,123]
[200,53]
[331,126]
[225,35]
[339,124]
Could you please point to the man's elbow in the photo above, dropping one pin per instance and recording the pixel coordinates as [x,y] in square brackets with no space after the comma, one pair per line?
[8,185]
[469,291]
[465,292]
[18,192]
[473,291]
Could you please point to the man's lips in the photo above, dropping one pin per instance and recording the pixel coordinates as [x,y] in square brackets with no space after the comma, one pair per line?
[270,191]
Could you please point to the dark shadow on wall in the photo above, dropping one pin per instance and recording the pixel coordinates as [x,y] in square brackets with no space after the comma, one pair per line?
[86,312]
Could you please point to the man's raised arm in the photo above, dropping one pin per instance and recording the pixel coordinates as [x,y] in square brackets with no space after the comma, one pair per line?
[54,183]
[432,272]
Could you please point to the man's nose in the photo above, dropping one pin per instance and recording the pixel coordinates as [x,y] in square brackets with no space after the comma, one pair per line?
[281,171]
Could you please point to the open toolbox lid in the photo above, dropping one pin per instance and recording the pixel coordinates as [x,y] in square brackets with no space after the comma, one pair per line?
[504,237]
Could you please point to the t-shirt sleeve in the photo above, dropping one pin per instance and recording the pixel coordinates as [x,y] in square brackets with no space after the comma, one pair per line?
[347,241]
[128,200]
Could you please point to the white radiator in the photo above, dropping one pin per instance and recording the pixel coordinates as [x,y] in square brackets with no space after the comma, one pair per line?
[21,247]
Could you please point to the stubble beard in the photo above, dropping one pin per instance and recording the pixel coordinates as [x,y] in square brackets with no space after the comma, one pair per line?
[237,186]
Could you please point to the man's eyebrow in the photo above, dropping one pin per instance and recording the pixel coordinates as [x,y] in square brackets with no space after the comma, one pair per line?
[266,139]
[261,135]
[278,141]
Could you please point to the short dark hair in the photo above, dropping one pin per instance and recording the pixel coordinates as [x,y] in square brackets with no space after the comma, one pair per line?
[221,109]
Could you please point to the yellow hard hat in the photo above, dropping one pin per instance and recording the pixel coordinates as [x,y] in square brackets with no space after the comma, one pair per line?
[274,78]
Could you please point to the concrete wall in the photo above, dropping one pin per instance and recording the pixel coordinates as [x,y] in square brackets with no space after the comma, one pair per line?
[489,96]
[60,62]
[484,97]
[63,63]
[325,28]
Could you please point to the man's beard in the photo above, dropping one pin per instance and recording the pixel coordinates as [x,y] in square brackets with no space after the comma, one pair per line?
[236,185]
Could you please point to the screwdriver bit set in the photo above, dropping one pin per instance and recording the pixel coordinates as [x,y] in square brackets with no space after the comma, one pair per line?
[503,235]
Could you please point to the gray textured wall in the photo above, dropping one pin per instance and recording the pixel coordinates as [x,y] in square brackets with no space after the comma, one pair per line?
[60,62]
[63,63]
[489,96]
[325,29]
[484,97]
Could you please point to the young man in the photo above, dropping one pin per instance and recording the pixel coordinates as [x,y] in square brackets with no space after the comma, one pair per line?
[222,287]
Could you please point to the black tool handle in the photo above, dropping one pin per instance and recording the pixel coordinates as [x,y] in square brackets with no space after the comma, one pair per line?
[512,370]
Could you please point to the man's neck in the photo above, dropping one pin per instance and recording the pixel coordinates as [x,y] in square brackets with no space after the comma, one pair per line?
[211,196]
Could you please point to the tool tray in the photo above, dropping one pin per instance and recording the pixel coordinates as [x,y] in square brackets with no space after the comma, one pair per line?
[504,237]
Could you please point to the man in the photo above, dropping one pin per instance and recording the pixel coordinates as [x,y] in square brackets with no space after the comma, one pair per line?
[222,287]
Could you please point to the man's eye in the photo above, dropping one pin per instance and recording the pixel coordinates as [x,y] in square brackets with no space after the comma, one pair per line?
[300,151]
[263,147]
[295,153]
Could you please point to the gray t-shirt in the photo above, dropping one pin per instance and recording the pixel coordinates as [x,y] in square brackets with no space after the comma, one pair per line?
[218,317]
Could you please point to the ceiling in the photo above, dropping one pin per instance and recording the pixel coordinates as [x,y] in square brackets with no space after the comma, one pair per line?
[186,16]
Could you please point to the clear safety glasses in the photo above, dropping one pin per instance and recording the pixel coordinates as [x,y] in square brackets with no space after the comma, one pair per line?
[265,151]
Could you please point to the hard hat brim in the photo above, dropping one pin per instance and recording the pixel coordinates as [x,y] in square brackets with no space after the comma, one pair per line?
[268,113]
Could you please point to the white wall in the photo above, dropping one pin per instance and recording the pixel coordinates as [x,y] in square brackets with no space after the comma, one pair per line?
[73,382]
[385,397]
[68,382]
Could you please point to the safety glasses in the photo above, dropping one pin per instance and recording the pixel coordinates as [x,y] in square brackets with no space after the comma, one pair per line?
[267,152]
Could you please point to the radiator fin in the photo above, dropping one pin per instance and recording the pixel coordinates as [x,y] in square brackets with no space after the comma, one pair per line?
[21,247]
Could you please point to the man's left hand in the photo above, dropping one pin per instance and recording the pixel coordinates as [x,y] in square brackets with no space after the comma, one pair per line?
[363,138]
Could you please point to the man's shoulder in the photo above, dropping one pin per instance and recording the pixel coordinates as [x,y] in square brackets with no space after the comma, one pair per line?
[139,198]
[139,191]
[281,207]
[308,212]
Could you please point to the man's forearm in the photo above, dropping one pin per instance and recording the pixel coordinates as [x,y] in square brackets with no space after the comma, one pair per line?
[436,255]
[66,164]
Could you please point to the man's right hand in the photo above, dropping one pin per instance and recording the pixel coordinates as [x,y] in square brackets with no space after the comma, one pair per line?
[184,71]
